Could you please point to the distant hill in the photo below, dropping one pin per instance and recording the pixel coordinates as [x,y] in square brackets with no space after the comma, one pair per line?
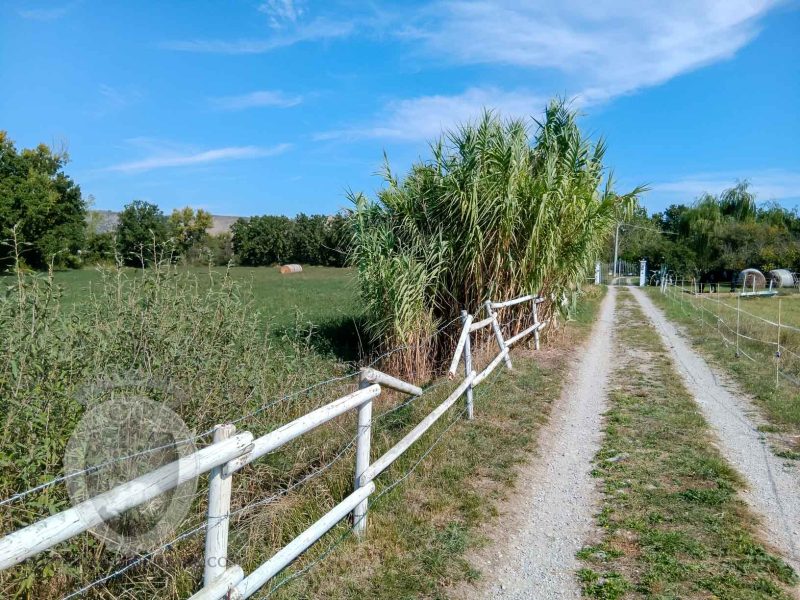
[107,220]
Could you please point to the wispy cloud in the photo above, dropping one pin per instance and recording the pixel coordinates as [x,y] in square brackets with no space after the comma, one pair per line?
[163,155]
[50,13]
[317,30]
[605,48]
[282,12]
[113,99]
[424,117]
[598,51]
[257,99]
[768,184]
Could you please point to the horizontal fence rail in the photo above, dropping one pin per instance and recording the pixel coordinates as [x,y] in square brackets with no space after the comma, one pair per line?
[230,452]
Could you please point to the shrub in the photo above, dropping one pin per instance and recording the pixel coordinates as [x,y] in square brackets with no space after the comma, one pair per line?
[194,343]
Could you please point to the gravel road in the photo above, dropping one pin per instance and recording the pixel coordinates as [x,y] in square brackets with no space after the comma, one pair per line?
[774,485]
[552,512]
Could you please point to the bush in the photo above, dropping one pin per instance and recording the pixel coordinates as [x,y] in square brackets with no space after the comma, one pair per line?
[193,343]
[100,248]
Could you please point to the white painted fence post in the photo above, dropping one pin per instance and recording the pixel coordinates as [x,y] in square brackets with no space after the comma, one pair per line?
[468,363]
[363,439]
[597,279]
[498,334]
[218,517]
[738,308]
[536,322]
[778,351]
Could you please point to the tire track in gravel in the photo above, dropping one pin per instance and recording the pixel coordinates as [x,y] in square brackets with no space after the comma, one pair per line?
[551,512]
[773,489]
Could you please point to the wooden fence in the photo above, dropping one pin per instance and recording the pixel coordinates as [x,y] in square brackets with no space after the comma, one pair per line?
[231,451]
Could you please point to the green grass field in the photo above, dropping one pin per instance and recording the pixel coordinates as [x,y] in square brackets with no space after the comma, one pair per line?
[319,294]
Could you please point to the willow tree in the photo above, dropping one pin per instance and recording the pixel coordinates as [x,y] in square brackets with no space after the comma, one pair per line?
[501,209]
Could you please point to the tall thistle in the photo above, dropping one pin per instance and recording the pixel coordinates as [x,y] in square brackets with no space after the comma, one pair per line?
[494,213]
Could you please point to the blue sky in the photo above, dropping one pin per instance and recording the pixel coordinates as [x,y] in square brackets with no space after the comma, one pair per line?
[282,106]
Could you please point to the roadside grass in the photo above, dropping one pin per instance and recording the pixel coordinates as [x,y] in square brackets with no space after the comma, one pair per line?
[672,523]
[179,338]
[780,403]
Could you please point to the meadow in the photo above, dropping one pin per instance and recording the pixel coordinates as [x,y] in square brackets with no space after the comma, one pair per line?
[319,294]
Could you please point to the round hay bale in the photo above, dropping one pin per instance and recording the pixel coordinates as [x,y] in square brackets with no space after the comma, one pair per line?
[285,269]
[751,279]
[781,278]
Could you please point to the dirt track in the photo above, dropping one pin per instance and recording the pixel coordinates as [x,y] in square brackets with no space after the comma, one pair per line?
[774,488]
[552,513]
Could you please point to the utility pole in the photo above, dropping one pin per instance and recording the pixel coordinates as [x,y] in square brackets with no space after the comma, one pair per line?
[616,252]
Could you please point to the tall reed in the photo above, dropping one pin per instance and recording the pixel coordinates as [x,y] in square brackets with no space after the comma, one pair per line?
[500,209]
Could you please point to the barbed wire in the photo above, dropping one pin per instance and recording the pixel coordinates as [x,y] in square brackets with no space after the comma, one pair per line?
[373,502]
[265,501]
[97,467]
[206,524]
[276,400]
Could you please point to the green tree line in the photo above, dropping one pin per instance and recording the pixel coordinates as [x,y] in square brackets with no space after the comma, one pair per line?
[45,221]
[314,240]
[716,236]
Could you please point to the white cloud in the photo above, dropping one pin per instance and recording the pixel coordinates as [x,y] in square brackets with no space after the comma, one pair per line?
[604,47]
[113,99]
[46,14]
[282,12]
[599,50]
[316,30]
[423,118]
[163,155]
[257,99]
[768,184]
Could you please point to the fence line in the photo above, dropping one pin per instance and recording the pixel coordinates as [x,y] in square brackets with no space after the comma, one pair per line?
[230,451]
[777,349]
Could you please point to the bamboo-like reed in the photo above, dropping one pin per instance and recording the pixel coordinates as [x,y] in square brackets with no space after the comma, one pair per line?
[495,213]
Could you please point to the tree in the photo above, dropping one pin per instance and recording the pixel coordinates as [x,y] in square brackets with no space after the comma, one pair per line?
[41,204]
[263,240]
[189,228]
[308,239]
[142,233]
